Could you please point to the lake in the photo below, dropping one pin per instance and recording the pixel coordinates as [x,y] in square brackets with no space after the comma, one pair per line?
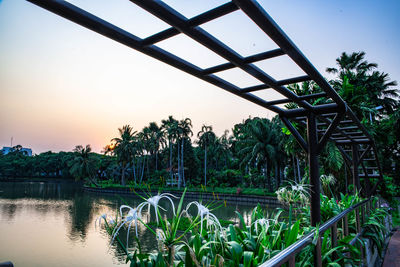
[53,224]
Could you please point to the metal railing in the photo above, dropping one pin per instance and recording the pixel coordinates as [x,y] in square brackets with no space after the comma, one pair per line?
[288,255]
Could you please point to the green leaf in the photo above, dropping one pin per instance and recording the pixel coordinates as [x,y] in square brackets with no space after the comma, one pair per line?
[242,223]
[247,258]
[233,233]
[294,231]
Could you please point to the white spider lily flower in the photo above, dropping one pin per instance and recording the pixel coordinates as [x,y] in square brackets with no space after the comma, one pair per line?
[103,216]
[293,194]
[204,213]
[327,180]
[132,217]
[263,223]
[153,201]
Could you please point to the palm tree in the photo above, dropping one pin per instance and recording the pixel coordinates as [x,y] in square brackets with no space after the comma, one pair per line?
[170,128]
[361,85]
[141,147]
[158,141]
[124,148]
[221,149]
[206,136]
[184,132]
[306,88]
[83,165]
[261,146]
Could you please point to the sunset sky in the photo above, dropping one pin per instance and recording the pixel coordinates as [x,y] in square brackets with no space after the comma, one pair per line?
[62,85]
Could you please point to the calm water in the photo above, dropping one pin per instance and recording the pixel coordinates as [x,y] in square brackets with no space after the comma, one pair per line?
[53,224]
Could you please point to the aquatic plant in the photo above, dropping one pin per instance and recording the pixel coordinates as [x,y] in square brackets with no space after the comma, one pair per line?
[245,244]
[132,217]
[294,193]
[205,214]
[153,201]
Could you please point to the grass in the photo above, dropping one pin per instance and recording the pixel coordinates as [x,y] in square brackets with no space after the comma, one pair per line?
[107,184]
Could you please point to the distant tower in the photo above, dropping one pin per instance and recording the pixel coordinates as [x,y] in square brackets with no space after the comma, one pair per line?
[11,140]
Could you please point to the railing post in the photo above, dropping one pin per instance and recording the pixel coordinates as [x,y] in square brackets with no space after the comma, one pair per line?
[334,239]
[317,255]
[292,261]
[346,226]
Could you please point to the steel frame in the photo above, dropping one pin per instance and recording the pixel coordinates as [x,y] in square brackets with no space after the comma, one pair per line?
[333,121]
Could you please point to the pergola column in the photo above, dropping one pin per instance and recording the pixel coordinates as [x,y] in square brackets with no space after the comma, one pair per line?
[313,168]
[356,178]
[313,165]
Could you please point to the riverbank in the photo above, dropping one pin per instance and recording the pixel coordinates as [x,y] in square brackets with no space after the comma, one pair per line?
[40,179]
[242,199]
[245,196]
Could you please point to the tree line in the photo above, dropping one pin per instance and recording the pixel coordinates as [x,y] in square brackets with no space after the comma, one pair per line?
[257,152]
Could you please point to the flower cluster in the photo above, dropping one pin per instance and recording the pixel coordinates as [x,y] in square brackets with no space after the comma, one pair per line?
[129,216]
[293,193]
[327,180]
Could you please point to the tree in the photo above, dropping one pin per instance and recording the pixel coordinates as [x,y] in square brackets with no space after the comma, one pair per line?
[124,149]
[184,132]
[83,164]
[170,128]
[221,149]
[206,136]
[157,139]
[261,146]
[362,86]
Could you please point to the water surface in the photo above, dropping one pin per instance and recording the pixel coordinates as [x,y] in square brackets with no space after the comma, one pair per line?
[53,224]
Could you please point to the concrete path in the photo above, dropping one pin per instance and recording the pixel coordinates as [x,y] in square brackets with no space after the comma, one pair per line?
[392,257]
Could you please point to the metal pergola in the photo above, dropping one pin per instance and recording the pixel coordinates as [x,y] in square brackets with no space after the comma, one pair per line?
[332,121]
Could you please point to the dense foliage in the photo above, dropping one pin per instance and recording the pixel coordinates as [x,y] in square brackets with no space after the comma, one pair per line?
[195,237]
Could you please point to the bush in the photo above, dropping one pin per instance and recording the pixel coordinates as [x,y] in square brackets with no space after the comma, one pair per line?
[225,178]
[388,189]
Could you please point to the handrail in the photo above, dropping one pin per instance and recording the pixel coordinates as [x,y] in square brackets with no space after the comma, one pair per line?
[289,252]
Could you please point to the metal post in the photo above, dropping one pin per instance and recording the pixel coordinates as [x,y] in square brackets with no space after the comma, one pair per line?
[358,227]
[313,169]
[312,138]
[356,178]
[292,261]
[334,239]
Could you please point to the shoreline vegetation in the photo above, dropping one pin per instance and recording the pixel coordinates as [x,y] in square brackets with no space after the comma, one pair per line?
[257,156]
[194,236]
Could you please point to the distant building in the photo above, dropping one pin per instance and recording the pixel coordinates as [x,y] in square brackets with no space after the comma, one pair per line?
[24,150]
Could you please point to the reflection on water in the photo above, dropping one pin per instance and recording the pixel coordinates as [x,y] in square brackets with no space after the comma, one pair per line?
[53,224]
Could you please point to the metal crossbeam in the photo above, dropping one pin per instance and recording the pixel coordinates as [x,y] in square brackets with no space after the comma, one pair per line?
[247,60]
[196,21]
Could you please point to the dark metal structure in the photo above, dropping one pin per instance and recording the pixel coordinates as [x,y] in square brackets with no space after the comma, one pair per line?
[288,255]
[331,121]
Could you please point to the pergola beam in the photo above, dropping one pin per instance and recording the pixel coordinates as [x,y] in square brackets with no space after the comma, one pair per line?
[178,21]
[247,60]
[269,26]
[195,21]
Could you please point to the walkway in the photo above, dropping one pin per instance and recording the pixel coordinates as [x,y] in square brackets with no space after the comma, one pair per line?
[392,257]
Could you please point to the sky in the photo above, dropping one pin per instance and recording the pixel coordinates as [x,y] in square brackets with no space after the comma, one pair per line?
[62,85]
